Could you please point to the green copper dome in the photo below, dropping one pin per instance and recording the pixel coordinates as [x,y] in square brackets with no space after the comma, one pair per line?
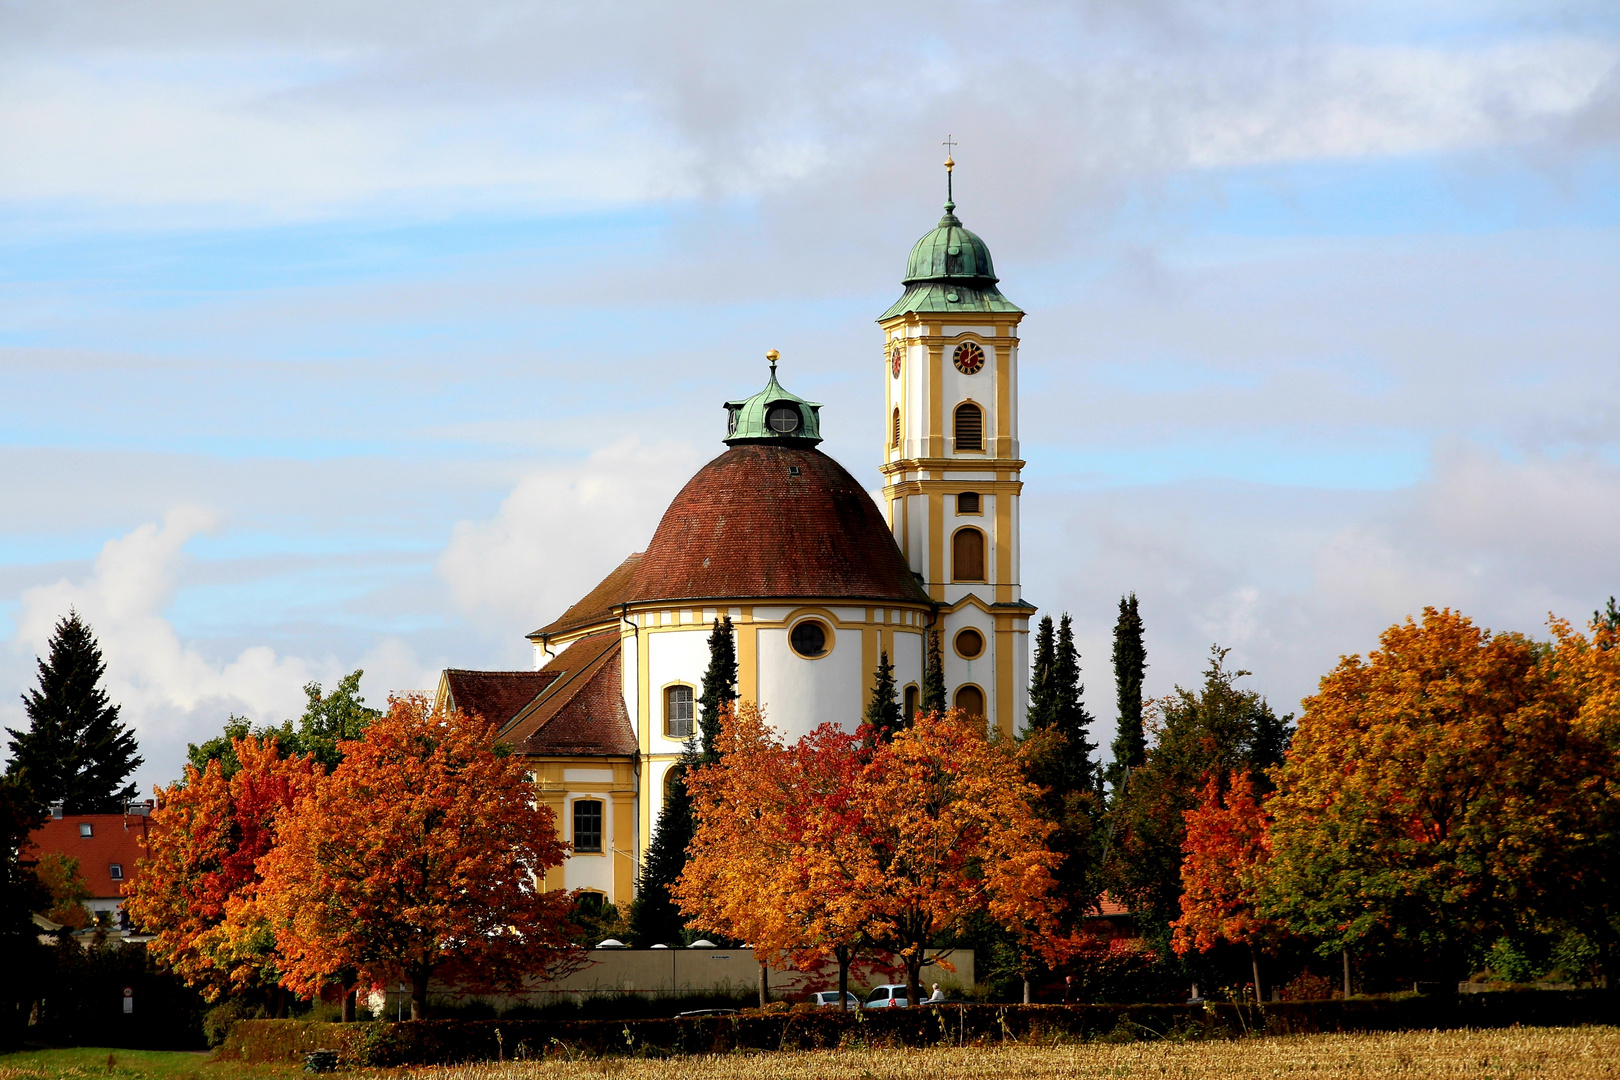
[773,416]
[950,270]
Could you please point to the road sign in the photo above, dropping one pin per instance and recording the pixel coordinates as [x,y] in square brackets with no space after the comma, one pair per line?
[129,999]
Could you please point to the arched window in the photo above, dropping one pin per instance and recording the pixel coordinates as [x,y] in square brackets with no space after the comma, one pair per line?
[670,776]
[969,427]
[894,440]
[970,699]
[967,555]
[911,704]
[588,825]
[678,712]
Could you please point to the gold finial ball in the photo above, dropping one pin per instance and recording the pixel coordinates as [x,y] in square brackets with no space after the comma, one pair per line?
[773,356]
[949,164]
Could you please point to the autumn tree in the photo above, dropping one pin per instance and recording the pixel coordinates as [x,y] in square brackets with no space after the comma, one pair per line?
[1443,789]
[1226,844]
[1130,665]
[423,848]
[752,875]
[67,890]
[1216,729]
[883,718]
[75,750]
[200,875]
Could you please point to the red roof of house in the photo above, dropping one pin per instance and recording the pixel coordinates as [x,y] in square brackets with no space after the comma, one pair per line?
[596,606]
[581,712]
[497,696]
[109,844]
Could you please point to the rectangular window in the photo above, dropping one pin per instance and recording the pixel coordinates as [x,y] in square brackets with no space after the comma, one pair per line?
[678,712]
[117,871]
[968,503]
[587,825]
[86,829]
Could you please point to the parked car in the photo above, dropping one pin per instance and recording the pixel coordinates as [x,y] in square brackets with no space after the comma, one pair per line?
[888,996]
[830,997]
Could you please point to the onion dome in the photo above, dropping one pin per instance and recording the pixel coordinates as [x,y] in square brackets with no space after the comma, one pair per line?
[949,271]
[773,416]
[768,519]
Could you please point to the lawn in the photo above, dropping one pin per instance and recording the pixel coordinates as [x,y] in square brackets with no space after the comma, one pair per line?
[1562,1053]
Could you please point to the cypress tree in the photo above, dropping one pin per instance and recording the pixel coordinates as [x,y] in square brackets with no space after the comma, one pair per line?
[883,711]
[719,686]
[75,749]
[1130,661]
[933,688]
[654,917]
[1042,688]
[1072,721]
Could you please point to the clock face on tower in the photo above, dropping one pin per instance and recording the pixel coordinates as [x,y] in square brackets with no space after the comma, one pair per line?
[968,358]
[894,360]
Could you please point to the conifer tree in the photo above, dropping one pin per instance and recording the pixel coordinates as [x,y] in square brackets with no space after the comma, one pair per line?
[654,918]
[1070,719]
[1130,661]
[883,711]
[933,688]
[75,750]
[1042,688]
[1606,625]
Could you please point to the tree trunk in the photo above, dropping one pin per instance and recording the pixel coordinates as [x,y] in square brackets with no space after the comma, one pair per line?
[281,1003]
[914,979]
[842,954]
[1027,994]
[419,987]
[1254,963]
[764,986]
[349,994]
[1346,955]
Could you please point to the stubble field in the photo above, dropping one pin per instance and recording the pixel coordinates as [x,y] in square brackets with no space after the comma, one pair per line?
[1573,1053]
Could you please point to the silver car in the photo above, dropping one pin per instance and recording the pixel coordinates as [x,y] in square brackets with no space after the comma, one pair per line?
[888,996]
[830,997]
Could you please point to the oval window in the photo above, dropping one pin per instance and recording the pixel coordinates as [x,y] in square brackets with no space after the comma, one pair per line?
[809,639]
[783,419]
[969,644]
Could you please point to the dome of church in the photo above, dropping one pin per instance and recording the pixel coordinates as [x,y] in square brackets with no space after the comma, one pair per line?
[773,520]
[950,253]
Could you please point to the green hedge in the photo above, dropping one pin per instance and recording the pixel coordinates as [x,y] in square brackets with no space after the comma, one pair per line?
[433,1042]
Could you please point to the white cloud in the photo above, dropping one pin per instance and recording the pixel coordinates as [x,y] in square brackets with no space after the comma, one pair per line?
[561,530]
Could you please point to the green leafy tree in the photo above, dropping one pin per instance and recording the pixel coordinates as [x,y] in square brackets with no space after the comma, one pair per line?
[933,688]
[75,750]
[883,711]
[1215,730]
[328,719]
[1130,664]
[654,917]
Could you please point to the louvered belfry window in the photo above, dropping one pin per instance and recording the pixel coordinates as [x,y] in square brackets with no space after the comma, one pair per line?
[969,427]
[895,440]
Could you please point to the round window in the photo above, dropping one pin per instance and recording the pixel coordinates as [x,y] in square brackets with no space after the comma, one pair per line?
[968,358]
[783,419]
[969,644]
[809,638]
[731,422]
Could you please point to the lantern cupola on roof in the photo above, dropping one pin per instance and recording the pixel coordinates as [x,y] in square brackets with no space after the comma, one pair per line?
[773,415]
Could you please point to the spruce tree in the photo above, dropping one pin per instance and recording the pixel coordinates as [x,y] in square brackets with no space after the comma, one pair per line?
[1130,661]
[654,917]
[719,686]
[75,750]
[933,688]
[883,711]
[1607,619]
[1071,720]
[1043,702]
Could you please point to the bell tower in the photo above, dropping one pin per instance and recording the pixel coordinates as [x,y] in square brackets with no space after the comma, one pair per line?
[951,463]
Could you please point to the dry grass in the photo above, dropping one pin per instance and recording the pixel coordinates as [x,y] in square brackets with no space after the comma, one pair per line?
[1564,1053]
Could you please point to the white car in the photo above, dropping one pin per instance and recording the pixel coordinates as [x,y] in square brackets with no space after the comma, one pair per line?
[888,996]
[830,997]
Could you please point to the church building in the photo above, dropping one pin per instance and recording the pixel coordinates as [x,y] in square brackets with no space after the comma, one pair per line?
[817,579]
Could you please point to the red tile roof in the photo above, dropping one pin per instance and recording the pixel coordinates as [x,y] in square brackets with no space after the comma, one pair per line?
[109,844]
[581,712]
[598,605]
[497,696]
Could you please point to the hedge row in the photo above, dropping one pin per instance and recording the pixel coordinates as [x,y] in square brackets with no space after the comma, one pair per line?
[432,1042]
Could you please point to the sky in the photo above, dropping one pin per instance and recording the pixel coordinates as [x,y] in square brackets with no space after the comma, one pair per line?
[370,335]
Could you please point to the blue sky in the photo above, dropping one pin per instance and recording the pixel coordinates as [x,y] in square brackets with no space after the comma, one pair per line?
[357,335]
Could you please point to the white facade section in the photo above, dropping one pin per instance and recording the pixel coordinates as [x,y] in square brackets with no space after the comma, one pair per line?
[800,695]
[589,870]
[674,657]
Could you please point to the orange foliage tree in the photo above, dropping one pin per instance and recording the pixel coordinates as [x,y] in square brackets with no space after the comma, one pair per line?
[1436,790]
[422,849]
[1226,843]
[893,846]
[754,809]
[203,847]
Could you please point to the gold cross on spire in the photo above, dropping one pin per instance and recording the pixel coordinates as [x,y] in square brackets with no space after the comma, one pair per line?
[950,195]
[948,144]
